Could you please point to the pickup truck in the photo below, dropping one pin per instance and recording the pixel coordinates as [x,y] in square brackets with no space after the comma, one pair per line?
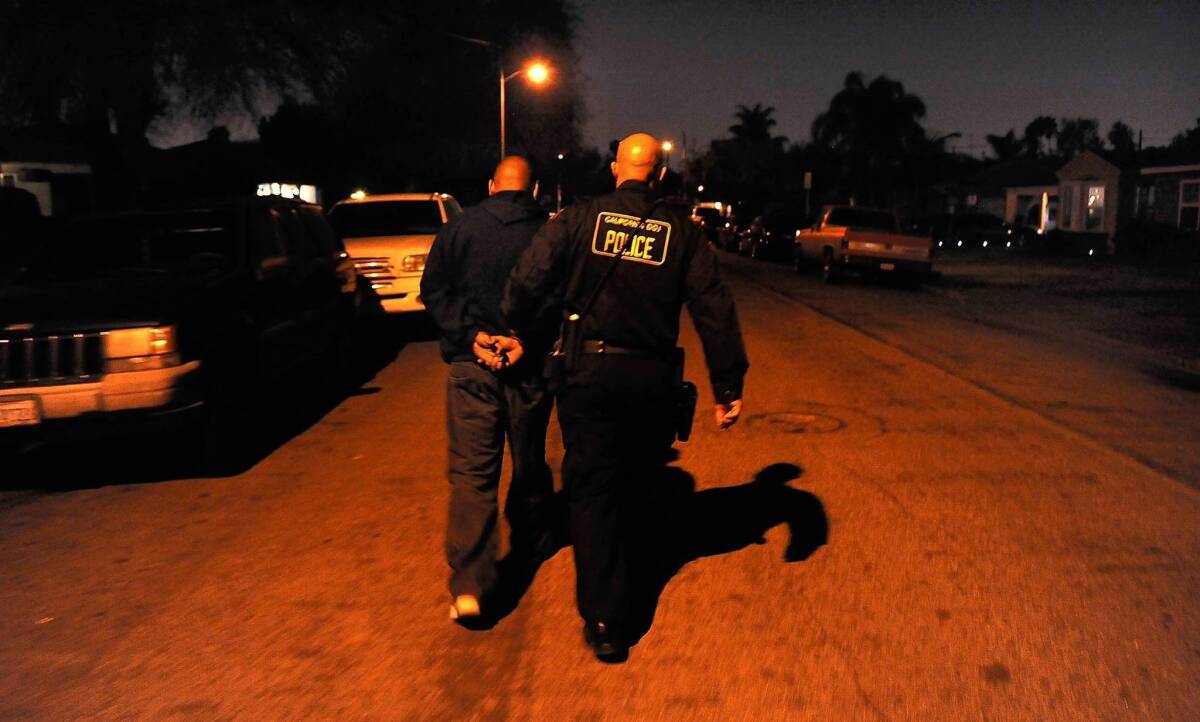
[867,240]
[173,320]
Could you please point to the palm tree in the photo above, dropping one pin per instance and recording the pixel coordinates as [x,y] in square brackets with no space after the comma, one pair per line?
[753,123]
[874,127]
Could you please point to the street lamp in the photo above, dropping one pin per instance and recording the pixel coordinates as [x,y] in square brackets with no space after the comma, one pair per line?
[667,147]
[537,73]
[558,182]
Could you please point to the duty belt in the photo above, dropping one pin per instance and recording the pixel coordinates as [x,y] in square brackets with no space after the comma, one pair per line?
[600,347]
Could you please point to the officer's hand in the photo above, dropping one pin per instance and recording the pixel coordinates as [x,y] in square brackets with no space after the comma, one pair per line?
[727,414]
[485,349]
[509,349]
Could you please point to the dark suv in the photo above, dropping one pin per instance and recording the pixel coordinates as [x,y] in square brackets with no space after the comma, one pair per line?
[182,314]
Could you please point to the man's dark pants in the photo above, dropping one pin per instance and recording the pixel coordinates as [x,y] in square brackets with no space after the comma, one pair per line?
[615,418]
[482,409]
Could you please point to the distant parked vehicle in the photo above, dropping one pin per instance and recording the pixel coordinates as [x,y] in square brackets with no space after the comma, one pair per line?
[772,235]
[389,237]
[713,217]
[179,316]
[861,239]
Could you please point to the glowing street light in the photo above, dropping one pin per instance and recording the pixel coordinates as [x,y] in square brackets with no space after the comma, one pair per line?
[667,146]
[537,73]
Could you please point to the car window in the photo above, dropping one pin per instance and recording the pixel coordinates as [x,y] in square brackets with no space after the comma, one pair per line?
[862,218]
[268,239]
[157,241]
[300,245]
[319,231]
[386,218]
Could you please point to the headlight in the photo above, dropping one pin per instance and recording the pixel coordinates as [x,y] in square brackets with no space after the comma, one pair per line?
[412,264]
[136,349]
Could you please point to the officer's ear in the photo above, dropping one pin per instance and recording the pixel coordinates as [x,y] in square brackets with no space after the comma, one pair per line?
[662,173]
[491,187]
[613,167]
[534,192]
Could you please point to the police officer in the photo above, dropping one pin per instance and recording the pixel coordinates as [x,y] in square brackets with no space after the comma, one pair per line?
[486,401]
[640,259]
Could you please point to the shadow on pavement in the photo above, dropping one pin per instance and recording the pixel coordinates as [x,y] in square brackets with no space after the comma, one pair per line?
[144,454]
[675,525]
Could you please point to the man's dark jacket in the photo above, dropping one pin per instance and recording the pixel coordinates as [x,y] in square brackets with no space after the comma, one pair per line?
[468,265]
[640,305]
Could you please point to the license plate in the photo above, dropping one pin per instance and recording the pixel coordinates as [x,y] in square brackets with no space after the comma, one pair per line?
[887,266]
[19,413]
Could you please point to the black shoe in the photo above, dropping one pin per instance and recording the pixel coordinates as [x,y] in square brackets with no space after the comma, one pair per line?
[606,645]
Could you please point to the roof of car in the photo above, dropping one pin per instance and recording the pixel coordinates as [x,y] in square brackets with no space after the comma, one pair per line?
[375,198]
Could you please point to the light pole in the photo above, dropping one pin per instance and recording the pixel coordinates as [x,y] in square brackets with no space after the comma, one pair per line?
[537,73]
[558,192]
[667,147]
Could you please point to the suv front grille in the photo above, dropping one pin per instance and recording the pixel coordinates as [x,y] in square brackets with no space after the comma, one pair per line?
[50,359]
[378,271]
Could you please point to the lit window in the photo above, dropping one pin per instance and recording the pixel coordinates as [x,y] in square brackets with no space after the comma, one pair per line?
[1189,205]
[1094,216]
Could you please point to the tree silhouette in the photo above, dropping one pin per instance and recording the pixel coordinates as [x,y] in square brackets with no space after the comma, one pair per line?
[1038,135]
[1076,135]
[1007,146]
[1188,139]
[1122,141]
[875,127]
[754,123]
[387,69]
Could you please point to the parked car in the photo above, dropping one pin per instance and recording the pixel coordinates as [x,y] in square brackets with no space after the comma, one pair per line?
[389,237]
[972,229]
[862,239]
[772,236]
[174,318]
[712,217]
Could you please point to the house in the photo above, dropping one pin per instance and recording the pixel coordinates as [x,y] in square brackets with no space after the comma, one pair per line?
[1021,191]
[1094,199]
[1101,202]
[55,175]
[1169,194]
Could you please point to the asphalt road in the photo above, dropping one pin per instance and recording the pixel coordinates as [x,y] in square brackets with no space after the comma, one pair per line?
[992,554]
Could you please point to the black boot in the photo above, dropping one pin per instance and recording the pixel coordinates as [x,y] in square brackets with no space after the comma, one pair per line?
[608,647]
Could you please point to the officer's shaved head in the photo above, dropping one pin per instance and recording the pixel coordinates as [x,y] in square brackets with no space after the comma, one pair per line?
[637,156]
[512,174]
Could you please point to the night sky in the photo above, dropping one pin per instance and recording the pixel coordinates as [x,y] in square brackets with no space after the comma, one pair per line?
[672,67]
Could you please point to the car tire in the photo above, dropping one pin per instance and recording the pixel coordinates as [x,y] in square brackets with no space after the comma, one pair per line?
[798,260]
[214,441]
[829,271]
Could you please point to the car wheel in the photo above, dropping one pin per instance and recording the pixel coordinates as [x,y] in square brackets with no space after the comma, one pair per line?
[798,260]
[214,442]
[829,271]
